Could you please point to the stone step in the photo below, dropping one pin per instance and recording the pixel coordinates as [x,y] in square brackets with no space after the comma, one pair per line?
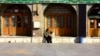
[35,40]
[40,40]
[91,40]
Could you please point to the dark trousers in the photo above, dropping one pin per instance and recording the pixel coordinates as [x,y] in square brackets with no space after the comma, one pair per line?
[48,39]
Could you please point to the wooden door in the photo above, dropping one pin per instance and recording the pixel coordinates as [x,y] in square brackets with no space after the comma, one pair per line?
[12,25]
[16,24]
[26,24]
[17,20]
[98,27]
[23,24]
[9,24]
[56,25]
[5,24]
[19,24]
[60,24]
[68,25]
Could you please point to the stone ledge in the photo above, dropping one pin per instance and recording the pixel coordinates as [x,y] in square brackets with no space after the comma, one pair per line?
[54,40]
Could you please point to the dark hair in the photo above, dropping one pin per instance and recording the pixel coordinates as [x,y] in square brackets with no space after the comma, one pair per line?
[47,29]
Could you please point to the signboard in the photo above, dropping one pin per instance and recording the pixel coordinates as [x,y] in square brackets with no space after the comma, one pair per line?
[50,1]
[36,24]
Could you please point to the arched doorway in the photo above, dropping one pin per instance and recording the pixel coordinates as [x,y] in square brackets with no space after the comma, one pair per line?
[94,21]
[16,20]
[61,18]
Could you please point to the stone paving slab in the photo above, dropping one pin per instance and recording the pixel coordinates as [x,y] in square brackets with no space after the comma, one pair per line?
[30,49]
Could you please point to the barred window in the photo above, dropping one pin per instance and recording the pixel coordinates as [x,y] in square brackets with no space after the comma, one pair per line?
[58,9]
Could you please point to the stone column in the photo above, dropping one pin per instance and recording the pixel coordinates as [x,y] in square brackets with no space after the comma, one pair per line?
[82,20]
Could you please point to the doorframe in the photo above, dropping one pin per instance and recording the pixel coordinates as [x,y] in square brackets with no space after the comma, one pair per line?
[30,13]
[10,16]
[52,15]
[1,26]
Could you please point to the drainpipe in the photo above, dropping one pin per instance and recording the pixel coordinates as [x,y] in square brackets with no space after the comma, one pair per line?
[0,21]
[32,24]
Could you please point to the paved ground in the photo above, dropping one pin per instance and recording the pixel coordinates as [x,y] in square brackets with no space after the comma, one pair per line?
[30,49]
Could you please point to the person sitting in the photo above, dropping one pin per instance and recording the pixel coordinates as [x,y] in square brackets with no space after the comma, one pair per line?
[48,35]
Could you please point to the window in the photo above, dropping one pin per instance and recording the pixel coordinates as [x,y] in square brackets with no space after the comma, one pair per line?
[11,11]
[25,21]
[91,23]
[13,21]
[58,9]
[98,23]
[49,21]
[56,21]
[16,10]
[6,21]
[68,21]
[62,21]
[18,21]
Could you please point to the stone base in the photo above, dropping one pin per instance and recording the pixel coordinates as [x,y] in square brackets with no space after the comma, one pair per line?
[40,40]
